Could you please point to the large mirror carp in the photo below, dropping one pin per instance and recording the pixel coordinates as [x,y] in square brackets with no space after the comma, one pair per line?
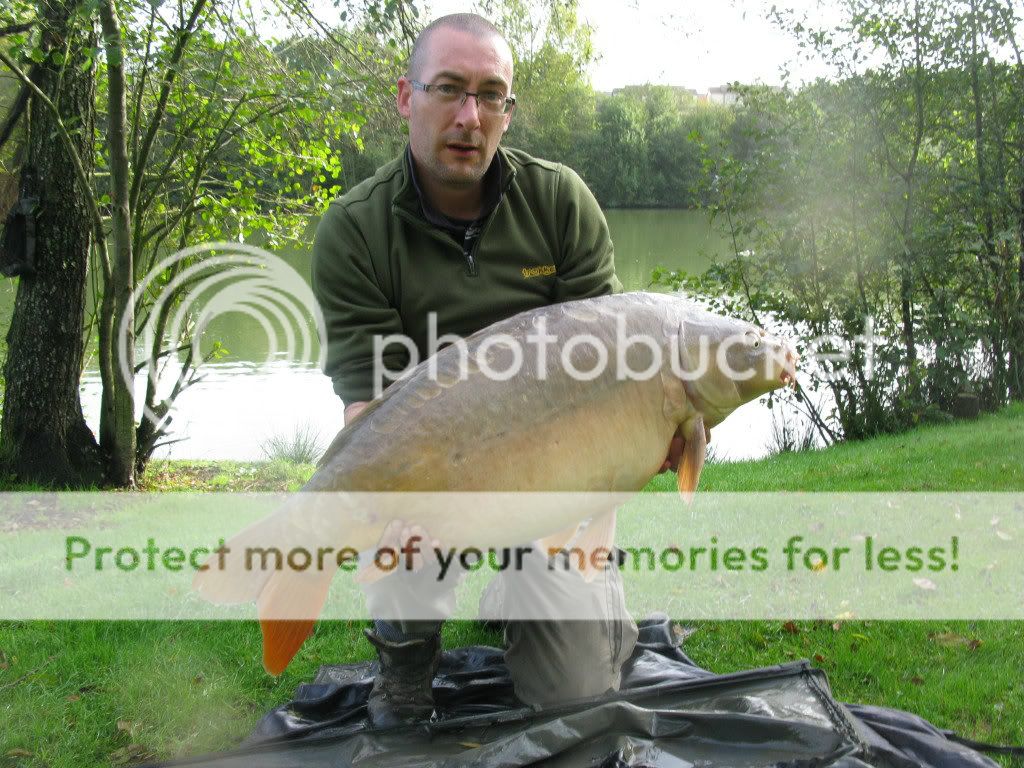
[579,397]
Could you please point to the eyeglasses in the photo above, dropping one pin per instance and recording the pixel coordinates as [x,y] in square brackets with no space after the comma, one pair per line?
[492,102]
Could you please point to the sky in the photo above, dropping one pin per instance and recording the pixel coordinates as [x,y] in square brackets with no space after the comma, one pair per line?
[684,42]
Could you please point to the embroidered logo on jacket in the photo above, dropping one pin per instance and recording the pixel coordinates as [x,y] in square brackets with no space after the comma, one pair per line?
[547,269]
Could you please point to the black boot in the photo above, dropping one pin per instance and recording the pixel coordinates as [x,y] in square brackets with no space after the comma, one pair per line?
[403,689]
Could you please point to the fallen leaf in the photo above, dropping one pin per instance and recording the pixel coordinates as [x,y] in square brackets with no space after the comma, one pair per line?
[917,680]
[124,725]
[819,658]
[836,626]
[72,697]
[923,583]
[682,634]
[19,753]
[974,644]
[857,636]
[791,628]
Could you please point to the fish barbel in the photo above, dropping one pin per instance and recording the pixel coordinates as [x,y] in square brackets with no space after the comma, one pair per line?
[583,396]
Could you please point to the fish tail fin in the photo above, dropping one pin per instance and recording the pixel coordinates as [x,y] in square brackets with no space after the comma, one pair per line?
[288,609]
[282,639]
[232,575]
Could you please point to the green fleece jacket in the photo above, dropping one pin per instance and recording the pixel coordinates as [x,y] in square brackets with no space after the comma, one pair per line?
[380,268]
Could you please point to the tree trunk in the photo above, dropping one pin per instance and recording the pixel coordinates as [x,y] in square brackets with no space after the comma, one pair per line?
[43,436]
[1017,348]
[121,449]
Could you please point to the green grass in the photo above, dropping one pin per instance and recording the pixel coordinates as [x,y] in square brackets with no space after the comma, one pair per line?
[234,476]
[982,455]
[109,693]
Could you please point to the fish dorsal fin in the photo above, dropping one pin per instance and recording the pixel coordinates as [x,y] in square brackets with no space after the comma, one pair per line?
[692,462]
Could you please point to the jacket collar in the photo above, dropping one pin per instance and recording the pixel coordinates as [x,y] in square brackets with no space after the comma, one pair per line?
[497,180]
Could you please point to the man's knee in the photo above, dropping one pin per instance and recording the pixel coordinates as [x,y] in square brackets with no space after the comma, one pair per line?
[559,661]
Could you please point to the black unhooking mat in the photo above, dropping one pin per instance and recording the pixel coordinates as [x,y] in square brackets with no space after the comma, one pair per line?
[670,713]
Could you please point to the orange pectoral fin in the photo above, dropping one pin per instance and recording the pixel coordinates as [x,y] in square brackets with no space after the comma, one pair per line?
[692,461]
[288,609]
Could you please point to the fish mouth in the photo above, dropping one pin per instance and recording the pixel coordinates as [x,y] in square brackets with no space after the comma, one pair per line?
[788,376]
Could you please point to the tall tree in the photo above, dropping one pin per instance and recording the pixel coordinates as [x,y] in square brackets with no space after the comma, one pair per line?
[44,436]
[210,134]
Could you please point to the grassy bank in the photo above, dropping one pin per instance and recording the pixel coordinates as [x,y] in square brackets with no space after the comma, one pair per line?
[92,693]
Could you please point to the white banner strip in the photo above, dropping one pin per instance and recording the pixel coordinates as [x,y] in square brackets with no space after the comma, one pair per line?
[726,556]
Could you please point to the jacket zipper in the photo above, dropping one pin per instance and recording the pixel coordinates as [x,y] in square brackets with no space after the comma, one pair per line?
[470,241]
[469,253]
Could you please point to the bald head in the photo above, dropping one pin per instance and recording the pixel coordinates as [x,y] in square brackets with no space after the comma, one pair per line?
[470,23]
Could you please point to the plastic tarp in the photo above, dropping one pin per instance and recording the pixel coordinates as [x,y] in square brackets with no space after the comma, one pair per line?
[669,713]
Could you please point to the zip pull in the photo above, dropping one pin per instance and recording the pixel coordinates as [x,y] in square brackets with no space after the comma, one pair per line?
[468,241]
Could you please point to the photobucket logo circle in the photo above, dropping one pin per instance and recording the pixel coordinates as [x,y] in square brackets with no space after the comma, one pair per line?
[191,287]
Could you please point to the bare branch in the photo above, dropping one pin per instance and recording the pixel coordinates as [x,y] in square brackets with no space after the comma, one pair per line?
[330,35]
[183,37]
[168,442]
[141,88]
[15,29]
[16,110]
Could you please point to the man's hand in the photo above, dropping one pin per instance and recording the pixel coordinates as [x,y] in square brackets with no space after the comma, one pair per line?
[675,450]
[353,409]
[409,542]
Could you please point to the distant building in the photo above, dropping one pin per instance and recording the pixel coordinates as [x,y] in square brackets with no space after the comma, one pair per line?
[719,94]
[684,93]
[722,94]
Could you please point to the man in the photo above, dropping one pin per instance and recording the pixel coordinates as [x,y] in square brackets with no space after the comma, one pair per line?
[473,233]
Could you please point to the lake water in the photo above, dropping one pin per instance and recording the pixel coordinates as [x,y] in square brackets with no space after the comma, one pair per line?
[245,398]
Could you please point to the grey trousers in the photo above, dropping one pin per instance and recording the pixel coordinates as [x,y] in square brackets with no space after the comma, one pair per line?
[549,661]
